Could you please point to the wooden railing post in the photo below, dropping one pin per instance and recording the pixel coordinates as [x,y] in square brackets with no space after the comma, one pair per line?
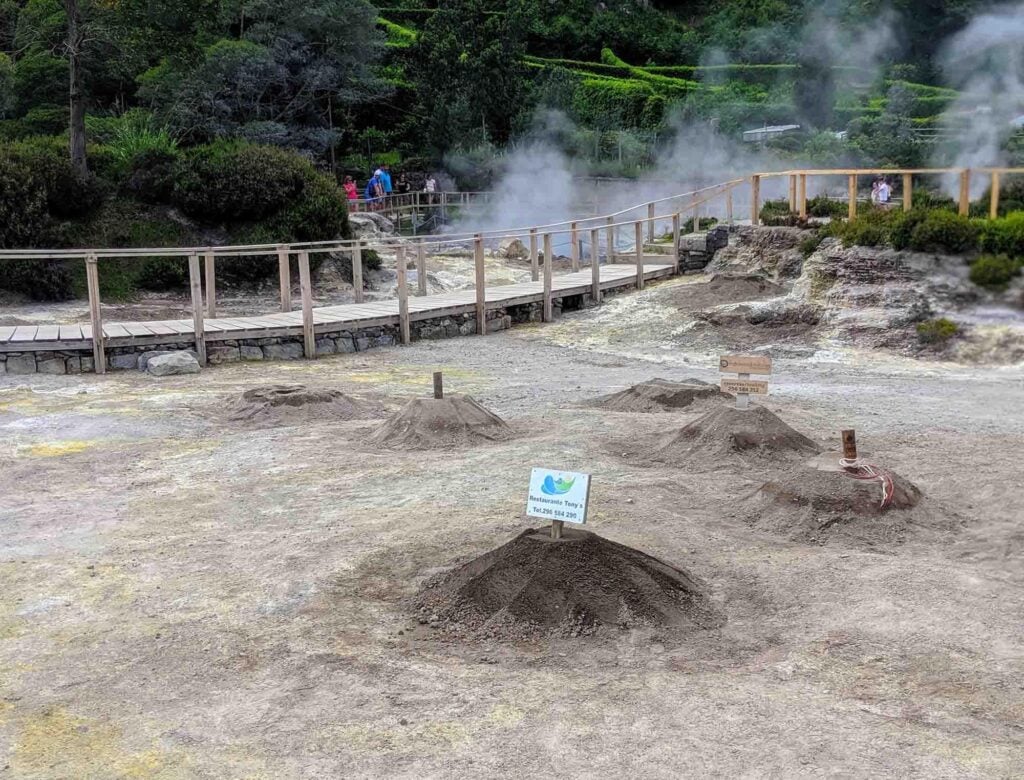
[534,264]
[676,231]
[306,289]
[401,265]
[610,240]
[639,230]
[696,218]
[851,194]
[92,277]
[421,267]
[481,285]
[547,313]
[196,286]
[993,202]
[284,276]
[792,192]
[357,271]
[965,192]
[728,206]
[755,199]
[595,265]
[908,191]
[802,195]
[574,250]
[211,285]
[650,222]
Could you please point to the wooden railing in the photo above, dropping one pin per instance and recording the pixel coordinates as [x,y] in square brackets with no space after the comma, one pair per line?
[639,222]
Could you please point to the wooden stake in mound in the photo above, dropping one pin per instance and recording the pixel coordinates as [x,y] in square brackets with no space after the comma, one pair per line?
[575,585]
[658,395]
[452,421]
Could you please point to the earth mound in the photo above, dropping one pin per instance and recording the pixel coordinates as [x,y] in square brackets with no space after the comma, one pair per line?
[658,395]
[573,586]
[724,288]
[726,432]
[298,403]
[813,504]
[430,423]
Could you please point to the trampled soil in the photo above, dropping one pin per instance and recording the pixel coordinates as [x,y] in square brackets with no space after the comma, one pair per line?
[723,288]
[658,395]
[577,585]
[726,433]
[286,404]
[452,421]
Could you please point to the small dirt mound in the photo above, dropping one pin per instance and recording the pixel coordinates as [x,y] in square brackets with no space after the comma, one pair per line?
[724,288]
[453,421]
[658,395]
[577,585]
[298,403]
[726,432]
[812,504]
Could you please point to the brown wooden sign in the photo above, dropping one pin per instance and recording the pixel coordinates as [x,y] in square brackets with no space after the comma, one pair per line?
[745,364]
[744,387]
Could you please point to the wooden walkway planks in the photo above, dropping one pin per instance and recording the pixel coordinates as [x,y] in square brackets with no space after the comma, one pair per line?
[325,318]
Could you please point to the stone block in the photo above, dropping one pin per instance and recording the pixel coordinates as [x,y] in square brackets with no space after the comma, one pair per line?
[145,357]
[124,360]
[3,366]
[87,365]
[221,353]
[288,350]
[468,328]
[51,365]
[21,364]
[326,347]
[345,344]
[173,363]
[250,353]
[362,343]
[384,340]
[74,365]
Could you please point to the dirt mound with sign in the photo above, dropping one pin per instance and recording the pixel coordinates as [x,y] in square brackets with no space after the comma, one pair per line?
[283,404]
[577,585]
[872,505]
[658,395]
[727,433]
[431,423]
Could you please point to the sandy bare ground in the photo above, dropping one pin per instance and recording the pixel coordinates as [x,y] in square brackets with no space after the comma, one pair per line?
[184,596]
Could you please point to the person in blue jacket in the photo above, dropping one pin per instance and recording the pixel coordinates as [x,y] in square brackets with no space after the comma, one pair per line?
[385,180]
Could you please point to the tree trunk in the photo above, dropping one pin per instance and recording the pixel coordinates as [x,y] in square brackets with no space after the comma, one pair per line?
[77,126]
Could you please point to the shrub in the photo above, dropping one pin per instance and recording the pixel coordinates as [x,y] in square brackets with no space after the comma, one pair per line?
[869,228]
[809,245]
[775,213]
[821,206]
[23,214]
[994,271]
[150,176]
[68,194]
[903,225]
[1003,236]
[944,231]
[937,332]
[39,280]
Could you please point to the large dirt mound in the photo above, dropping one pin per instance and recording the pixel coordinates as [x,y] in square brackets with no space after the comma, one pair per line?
[721,289]
[577,585]
[298,403]
[813,505]
[658,395]
[728,432]
[429,423]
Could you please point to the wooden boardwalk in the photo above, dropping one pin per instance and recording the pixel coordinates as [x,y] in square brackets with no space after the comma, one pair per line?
[326,319]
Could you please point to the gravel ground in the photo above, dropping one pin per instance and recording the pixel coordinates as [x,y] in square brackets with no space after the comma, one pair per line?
[189,597]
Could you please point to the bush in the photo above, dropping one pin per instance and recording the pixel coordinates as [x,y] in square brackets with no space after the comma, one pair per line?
[809,245]
[937,331]
[776,213]
[943,231]
[150,176]
[869,228]
[821,206]
[1003,236]
[994,271]
[68,194]
[39,280]
[23,214]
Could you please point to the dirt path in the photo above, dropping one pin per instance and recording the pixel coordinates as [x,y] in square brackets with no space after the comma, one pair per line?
[185,596]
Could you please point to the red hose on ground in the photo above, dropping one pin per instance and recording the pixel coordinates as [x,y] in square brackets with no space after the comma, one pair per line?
[867,471]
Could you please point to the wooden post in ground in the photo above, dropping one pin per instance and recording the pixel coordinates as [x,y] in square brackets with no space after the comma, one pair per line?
[639,230]
[284,276]
[306,290]
[802,195]
[547,314]
[403,294]
[965,192]
[728,206]
[851,195]
[556,529]
[92,278]
[908,191]
[534,265]
[755,199]
[792,192]
[676,231]
[696,218]
[610,239]
[574,250]
[211,285]
[196,286]
[993,202]
[421,267]
[849,445]
[438,385]
[357,271]
[595,266]
[650,222]
[481,282]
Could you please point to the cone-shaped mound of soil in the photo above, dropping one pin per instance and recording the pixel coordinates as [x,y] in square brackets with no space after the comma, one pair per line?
[453,421]
[298,403]
[535,585]
[811,504]
[728,431]
[658,395]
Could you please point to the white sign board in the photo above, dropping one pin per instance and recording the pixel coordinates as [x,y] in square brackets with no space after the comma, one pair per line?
[558,495]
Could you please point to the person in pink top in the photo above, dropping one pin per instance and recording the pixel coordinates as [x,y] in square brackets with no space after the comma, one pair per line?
[350,188]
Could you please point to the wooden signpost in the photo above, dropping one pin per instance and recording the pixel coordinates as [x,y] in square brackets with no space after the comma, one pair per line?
[743,386]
